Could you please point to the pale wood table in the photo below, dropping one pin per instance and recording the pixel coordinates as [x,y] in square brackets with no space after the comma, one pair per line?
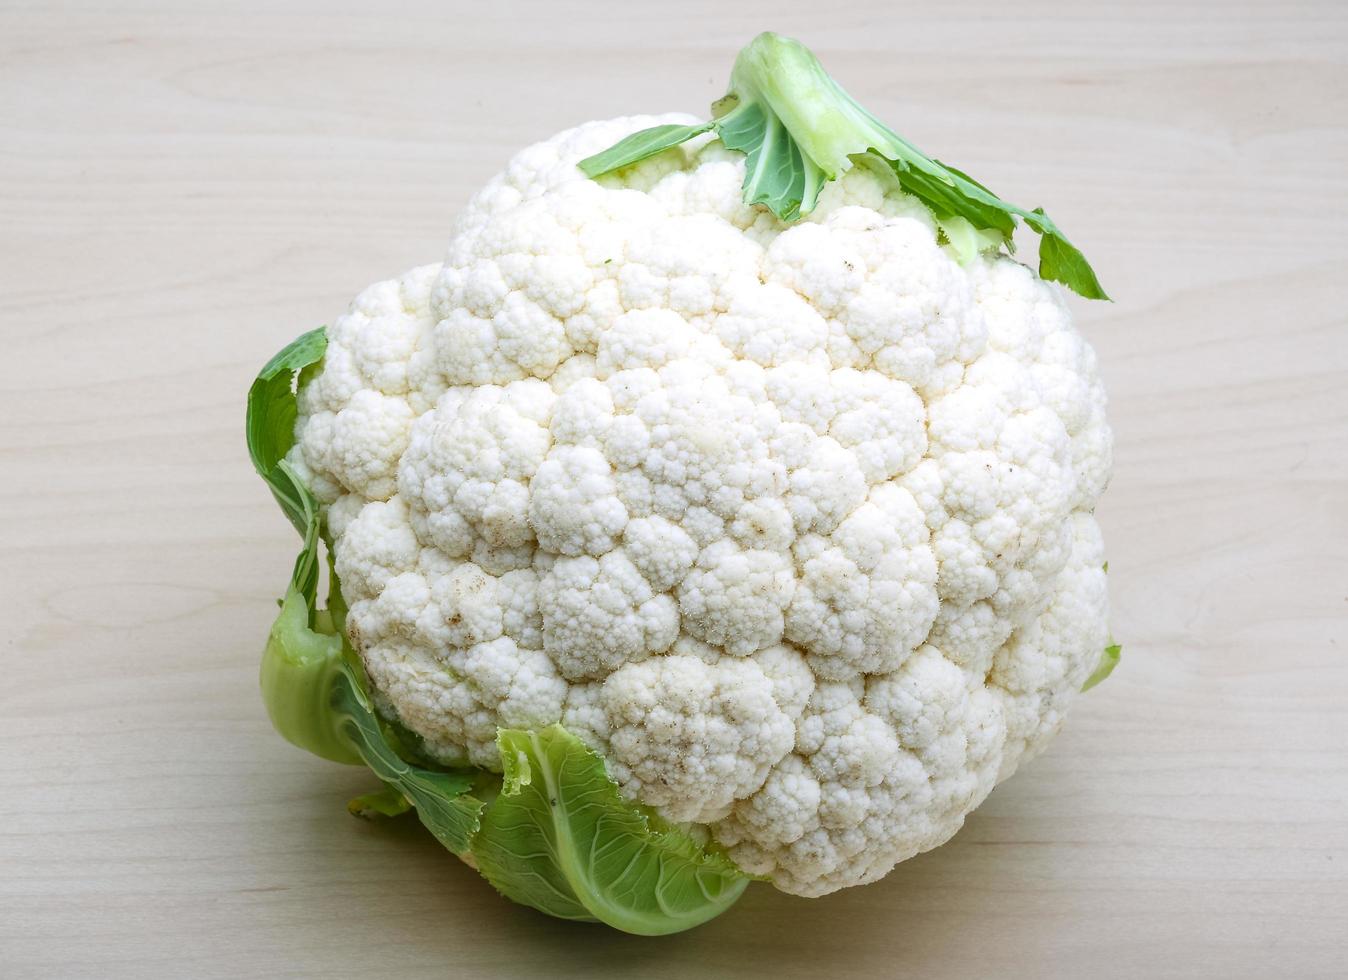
[183,188]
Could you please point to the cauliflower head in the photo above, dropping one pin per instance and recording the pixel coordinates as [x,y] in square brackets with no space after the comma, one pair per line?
[790,523]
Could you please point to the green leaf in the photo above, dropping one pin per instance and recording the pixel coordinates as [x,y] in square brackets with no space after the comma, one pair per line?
[1108,662]
[777,173]
[637,147]
[560,838]
[1062,261]
[380,804]
[270,428]
[440,798]
[290,491]
[300,660]
[947,192]
[964,240]
[799,130]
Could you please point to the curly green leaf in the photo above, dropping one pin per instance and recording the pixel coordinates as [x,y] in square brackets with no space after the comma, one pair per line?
[560,838]
[799,129]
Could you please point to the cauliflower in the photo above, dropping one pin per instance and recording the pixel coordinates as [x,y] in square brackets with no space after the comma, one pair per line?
[785,512]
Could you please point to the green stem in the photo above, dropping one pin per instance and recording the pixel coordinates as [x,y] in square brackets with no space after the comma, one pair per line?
[825,122]
[300,672]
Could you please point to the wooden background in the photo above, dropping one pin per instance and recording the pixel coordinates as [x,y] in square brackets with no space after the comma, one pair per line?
[186,187]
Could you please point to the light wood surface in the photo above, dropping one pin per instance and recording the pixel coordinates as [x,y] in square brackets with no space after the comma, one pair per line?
[184,188]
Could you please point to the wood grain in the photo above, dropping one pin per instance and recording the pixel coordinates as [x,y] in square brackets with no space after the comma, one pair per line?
[185,187]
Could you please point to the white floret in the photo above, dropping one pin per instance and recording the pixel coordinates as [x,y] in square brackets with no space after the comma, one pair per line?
[574,506]
[824,479]
[376,545]
[521,687]
[791,524]
[601,614]
[388,334]
[1042,666]
[867,594]
[691,738]
[467,472]
[735,598]
[661,550]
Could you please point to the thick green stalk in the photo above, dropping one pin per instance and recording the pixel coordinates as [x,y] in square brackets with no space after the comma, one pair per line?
[786,78]
[300,668]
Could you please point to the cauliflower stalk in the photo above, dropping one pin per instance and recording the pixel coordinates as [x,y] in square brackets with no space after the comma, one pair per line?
[720,508]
